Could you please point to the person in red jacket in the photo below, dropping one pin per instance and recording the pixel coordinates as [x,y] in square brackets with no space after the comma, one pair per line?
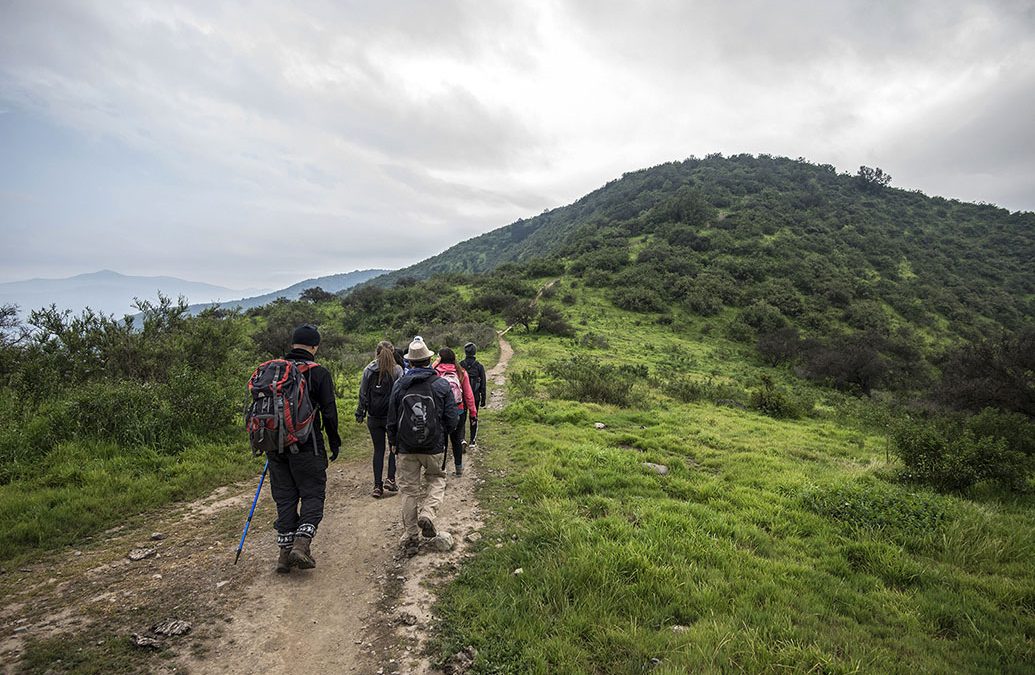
[460,383]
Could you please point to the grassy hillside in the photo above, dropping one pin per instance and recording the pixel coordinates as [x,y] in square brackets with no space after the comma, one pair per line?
[770,544]
[715,232]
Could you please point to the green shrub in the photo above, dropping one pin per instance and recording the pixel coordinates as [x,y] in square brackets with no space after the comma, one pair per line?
[639,299]
[552,321]
[950,453]
[689,390]
[593,341]
[877,507]
[775,402]
[586,379]
[522,383]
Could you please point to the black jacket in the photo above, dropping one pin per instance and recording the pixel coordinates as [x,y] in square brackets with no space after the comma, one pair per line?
[450,414]
[371,372]
[476,373]
[321,393]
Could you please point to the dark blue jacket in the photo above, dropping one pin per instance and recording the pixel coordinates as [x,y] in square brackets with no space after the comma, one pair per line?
[449,414]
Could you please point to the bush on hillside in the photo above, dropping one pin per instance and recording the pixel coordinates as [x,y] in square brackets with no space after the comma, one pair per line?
[521,383]
[850,363]
[593,341]
[774,401]
[585,379]
[780,346]
[953,453]
[763,317]
[639,299]
[995,372]
[690,390]
[553,322]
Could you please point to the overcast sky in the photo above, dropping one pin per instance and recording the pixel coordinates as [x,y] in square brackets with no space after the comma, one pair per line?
[262,143]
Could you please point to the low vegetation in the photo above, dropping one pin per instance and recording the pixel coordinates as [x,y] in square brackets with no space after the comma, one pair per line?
[784,535]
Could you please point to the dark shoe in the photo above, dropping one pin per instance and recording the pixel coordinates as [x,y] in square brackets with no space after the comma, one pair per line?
[391,485]
[460,470]
[284,560]
[427,528]
[300,556]
[378,492]
[409,545]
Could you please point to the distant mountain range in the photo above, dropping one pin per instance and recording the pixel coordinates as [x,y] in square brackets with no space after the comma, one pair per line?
[334,283]
[107,292]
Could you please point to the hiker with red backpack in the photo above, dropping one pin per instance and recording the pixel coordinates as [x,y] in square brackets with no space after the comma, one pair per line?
[463,395]
[374,390]
[292,405]
[421,413]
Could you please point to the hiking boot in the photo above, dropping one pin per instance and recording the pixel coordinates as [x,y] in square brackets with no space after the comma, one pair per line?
[410,545]
[300,556]
[378,492]
[427,528]
[284,560]
[391,486]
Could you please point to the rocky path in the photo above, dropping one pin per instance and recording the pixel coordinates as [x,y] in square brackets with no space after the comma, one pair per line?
[365,609]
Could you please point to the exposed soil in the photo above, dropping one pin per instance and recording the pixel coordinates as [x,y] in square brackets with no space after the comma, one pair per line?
[366,608]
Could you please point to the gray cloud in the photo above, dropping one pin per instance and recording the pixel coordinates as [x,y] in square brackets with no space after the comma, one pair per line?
[385,132]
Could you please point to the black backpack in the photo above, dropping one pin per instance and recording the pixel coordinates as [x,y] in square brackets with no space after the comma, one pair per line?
[378,394]
[420,420]
[471,366]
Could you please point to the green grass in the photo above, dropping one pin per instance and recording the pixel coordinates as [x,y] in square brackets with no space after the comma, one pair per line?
[770,546]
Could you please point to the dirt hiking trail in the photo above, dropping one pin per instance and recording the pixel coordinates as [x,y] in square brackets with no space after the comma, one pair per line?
[366,608]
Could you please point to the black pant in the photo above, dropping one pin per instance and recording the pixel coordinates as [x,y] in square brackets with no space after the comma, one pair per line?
[457,438]
[379,435]
[298,480]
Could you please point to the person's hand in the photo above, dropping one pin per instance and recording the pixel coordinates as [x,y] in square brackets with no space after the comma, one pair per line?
[359,418]
[391,449]
[334,453]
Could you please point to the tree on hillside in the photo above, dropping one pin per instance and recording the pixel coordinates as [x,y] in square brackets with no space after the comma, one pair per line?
[872,180]
[998,372]
[521,312]
[315,294]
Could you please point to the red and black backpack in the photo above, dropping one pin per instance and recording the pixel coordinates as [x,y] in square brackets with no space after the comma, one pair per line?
[280,415]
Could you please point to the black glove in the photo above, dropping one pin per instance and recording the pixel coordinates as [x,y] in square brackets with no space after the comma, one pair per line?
[360,417]
[334,453]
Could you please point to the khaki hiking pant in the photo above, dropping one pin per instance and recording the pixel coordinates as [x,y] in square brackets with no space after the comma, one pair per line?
[408,473]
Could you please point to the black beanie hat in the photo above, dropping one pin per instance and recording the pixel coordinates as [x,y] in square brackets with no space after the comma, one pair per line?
[306,334]
[470,349]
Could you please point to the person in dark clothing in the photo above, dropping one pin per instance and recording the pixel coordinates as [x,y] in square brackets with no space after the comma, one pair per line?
[479,383]
[424,391]
[374,389]
[298,480]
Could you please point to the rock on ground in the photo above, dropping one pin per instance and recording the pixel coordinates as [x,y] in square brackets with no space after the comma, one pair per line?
[141,553]
[171,627]
[659,469]
[442,543]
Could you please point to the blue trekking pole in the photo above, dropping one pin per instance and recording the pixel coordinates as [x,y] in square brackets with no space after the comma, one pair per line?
[252,512]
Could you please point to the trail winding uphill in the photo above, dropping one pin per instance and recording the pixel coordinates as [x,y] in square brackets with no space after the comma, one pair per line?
[365,608]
